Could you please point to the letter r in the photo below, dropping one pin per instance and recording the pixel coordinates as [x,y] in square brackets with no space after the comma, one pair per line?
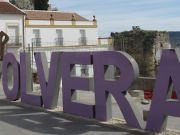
[118,88]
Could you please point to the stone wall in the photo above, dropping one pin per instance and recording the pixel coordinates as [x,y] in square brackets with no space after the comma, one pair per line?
[144,45]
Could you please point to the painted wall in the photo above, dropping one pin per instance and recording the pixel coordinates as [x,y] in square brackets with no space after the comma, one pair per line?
[71,35]
[48,35]
[11,20]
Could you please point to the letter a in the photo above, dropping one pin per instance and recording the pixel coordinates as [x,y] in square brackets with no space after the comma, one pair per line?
[169,72]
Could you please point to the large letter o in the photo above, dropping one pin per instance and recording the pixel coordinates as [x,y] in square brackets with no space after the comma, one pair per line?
[10,61]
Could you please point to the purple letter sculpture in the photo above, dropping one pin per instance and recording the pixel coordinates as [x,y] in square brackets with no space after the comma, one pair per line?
[49,78]
[27,95]
[118,88]
[169,72]
[71,84]
[10,63]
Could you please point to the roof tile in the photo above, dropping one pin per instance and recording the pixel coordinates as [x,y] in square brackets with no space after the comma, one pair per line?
[8,8]
[56,15]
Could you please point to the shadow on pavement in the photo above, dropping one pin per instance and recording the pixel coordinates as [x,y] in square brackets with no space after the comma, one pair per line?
[44,123]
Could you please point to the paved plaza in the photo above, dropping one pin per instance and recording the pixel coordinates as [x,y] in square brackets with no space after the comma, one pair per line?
[15,120]
[26,121]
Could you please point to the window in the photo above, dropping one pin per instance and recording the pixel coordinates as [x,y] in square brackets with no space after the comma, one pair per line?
[83,38]
[13,32]
[59,40]
[37,39]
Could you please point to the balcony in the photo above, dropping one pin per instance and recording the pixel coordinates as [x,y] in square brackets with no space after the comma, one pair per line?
[75,48]
[59,41]
[83,41]
[15,41]
[36,42]
[59,44]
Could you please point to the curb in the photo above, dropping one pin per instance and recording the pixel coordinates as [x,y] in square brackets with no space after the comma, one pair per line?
[115,124]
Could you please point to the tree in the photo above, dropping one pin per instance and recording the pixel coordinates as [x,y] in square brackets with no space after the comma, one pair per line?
[41,4]
[23,4]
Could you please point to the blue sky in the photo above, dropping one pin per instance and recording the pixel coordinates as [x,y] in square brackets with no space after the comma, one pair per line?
[120,15]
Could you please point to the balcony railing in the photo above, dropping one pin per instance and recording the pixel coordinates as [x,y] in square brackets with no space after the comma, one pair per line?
[36,41]
[83,41]
[15,41]
[59,41]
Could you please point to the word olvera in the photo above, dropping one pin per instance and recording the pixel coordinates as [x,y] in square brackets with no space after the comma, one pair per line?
[61,67]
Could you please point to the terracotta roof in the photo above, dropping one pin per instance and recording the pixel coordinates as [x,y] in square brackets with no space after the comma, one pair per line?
[8,8]
[56,15]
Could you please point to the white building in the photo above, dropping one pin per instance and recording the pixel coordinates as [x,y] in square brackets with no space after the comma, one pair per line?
[64,29]
[12,23]
[59,31]
[48,31]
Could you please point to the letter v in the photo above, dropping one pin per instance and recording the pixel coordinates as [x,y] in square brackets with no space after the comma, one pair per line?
[49,80]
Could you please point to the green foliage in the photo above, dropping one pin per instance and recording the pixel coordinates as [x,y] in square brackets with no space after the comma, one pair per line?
[139,44]
[41,4]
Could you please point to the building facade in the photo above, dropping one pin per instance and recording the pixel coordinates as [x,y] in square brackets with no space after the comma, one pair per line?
[12,22]
[51,28]
[49,31]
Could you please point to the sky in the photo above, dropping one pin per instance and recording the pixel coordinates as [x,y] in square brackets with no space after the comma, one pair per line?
[121,15]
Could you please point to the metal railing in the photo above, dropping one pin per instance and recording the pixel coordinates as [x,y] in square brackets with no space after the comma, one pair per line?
[15,41]
[83,41]
[36,41]
[59,41]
